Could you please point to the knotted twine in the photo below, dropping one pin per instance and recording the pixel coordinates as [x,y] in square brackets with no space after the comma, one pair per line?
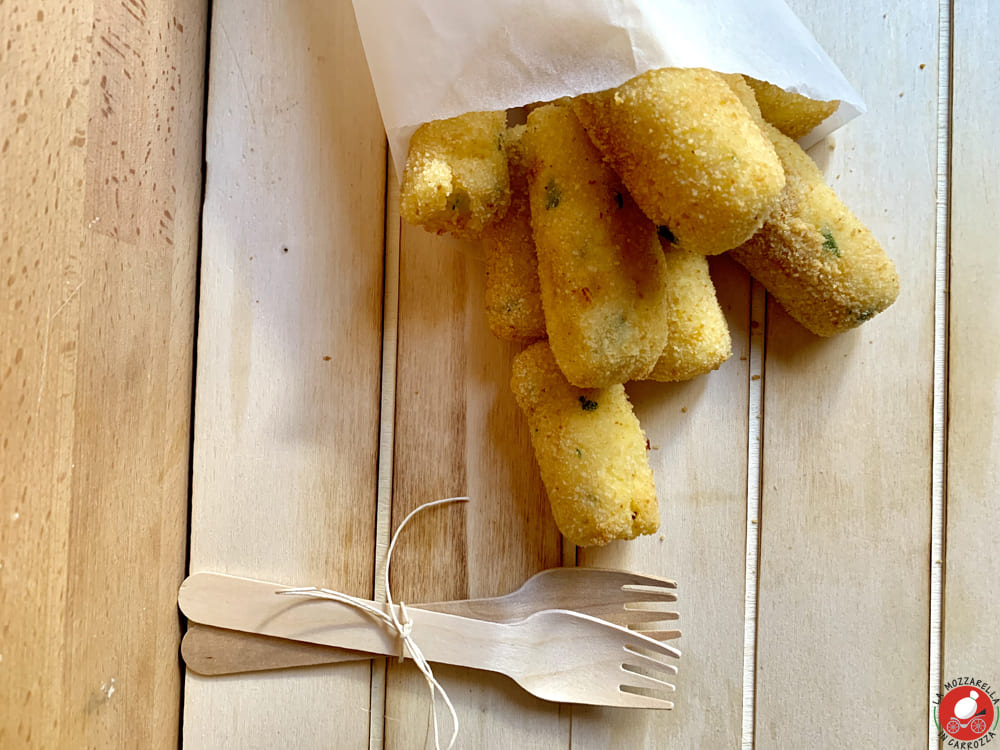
[399,621]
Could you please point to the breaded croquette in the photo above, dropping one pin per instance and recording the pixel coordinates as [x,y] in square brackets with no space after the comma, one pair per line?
[698,340]
[455,179]
[513,297]
[793,114]
[818,260]
[600,264]
[691,155]
[591,451]
[745,94]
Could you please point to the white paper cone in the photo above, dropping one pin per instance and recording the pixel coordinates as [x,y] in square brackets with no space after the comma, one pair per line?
[433,59]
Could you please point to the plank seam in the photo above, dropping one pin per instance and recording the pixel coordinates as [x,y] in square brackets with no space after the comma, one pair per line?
[939,438]
[755,429]
[387,416]
[195,329]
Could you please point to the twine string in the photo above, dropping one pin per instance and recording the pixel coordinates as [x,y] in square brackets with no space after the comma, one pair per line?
[398,620]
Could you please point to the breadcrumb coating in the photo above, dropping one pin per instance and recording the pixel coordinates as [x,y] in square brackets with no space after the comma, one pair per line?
[455,179]
[698,340]
[745,94]
[600,264]
[691,155]
[513,297]
[793,114]
[591,451]
[819,261]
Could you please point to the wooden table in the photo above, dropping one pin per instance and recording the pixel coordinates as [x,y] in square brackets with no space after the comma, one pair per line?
[829,506]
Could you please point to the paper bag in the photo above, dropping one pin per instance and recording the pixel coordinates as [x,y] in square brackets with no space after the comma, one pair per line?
[432,59]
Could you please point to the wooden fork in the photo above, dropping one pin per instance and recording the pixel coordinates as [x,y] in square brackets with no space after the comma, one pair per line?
[556,655]
[624,598]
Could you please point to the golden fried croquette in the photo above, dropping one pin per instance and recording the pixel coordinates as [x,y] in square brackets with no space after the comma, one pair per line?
[513,297]
[691,155]
[455,179]
[745,94]
[591,451]
[698,340]
[793,114]
[600,264]
[817,259]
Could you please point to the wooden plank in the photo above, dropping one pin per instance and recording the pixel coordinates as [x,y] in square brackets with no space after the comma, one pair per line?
[845,525]
[458,431]
[972,568]
[700,544]
[287,403]
[100,187]
[939,406]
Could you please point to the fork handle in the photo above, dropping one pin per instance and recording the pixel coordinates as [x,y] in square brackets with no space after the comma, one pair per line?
[254,606]
[212,651]
[209,650]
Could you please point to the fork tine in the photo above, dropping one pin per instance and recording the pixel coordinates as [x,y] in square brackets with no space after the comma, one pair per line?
[638,602]
[638,678]
[647,661]
[619,615]
[659,635]
[646,605]
[630,697]
[649,648]
[637,616]
[661,592]
[629,578]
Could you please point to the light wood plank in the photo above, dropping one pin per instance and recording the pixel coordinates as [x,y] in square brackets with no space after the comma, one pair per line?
[939,406]
[458,431]
[972,567]
[100,187]
[386,456]
[755,427]
[289,351]
[698,438]
[845,523]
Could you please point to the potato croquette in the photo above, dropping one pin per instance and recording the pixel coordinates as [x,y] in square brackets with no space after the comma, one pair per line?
[817,259]
[600,264]
[745,94]
[455,179]
[793,114]
[591,451]
[513,297]
[698,340]
[691,155]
